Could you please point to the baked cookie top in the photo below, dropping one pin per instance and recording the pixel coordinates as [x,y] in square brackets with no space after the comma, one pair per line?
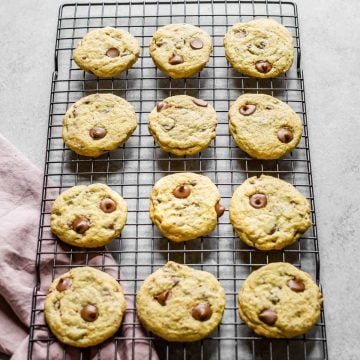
[98,123]
[106,52]
[263,126]
[269,213]
[180,50]
[179,303]
[185,206]
[279,301]
[183,125]
[84,307]
[259,48]
[88,216]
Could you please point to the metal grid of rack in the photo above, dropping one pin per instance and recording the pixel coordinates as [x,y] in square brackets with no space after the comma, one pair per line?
[133,169]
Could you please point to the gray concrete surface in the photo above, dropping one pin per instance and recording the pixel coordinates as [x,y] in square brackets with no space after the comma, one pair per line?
[330,42]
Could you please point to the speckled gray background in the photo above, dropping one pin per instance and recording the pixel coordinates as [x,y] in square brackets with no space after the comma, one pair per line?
[330,59]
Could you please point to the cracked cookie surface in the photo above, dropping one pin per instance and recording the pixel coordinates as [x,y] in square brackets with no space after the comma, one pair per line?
[106,52]
[184,206]
[88,216]
[259,48]
[84,307]
[269,213]
[98,123]
[179,303]
[180,50]
[279,301]
[183,125]
[263,126]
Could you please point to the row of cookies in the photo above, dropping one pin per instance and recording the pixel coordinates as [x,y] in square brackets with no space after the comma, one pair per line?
[261,125]
[85,306]
[260,48]
[266,212]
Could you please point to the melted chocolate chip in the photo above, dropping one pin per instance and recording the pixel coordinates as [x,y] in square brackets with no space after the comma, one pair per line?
[97,133]
[258,201]
[285,135]
[200,102]
[182,191]
[263,66]
[161,106]
[81,224]
[176,59]
[201,312]
[161,298]
[268,316]
[247,109]
[89,313]
[107,205]
[196,44]
[219,209]
[64,284]
[113,52]
[296,285]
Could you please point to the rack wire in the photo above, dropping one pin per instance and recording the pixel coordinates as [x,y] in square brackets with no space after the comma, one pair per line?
[136,166]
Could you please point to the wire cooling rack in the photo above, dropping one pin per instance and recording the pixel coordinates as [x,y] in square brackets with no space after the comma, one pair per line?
[135,167]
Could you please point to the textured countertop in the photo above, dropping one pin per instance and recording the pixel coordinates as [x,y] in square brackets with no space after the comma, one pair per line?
[330,47]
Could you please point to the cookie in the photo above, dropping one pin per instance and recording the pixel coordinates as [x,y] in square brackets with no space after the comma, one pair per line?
[279,301]
[263,126]
[179,303]
[84,307]
[180,50]
[183,125]
[88,216]
[185,206]
[106,52]
[97,124]
[269,213]
[259,48]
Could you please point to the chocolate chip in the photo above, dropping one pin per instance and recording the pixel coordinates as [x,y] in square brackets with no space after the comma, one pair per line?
[113,52]
[268,316]
[89,313]
[97,133]
[201,312]
[263,66]
[296,285]
[258,201]
[176,59]
[247,109]
[107,205]
[182,191]
[161,106]
[219,209]
[261,44]
[80,224]
[161,298]
[285,135]
[196,44]
[64,284]
[200,102]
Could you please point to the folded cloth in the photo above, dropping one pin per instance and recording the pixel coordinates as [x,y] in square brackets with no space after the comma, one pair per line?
[20,199]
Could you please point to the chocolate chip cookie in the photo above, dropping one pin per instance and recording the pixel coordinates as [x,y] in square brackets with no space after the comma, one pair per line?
[88,216]
[260,48]
[269,213]
[84,307]
[183,125]
[179,303]
[263,126]
[185,206]
[106,52]
[279,301]
[180,50]
[98,123]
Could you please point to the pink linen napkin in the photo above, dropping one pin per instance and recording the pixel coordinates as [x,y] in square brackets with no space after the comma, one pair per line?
[20,198]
